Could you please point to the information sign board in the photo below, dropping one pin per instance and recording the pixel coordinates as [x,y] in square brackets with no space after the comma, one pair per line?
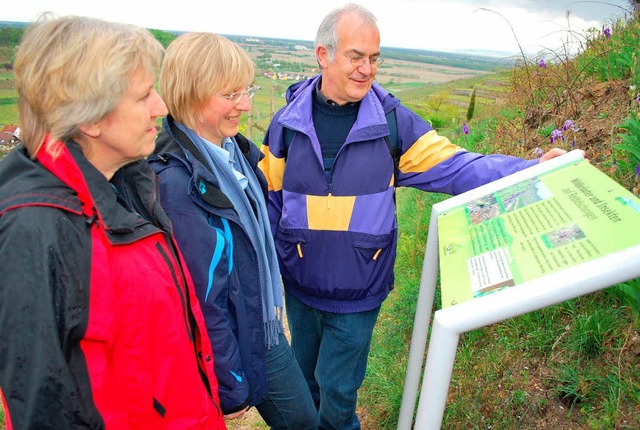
[558,219]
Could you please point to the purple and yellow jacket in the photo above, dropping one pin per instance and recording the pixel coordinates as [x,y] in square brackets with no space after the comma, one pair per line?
[336,237]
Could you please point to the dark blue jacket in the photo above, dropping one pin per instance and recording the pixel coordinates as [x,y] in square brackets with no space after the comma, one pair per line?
[221,260]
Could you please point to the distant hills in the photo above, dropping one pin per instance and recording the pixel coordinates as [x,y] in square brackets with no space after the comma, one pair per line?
[14,24]
[466,60]
[475,60]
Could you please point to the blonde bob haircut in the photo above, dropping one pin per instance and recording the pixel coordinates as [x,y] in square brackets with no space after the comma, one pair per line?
[71,71]
[198,66]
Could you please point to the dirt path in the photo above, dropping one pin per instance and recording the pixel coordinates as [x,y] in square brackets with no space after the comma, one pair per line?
[249,421]
[253,421]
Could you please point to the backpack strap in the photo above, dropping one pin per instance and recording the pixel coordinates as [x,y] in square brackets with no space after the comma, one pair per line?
[392,139]
[288,137]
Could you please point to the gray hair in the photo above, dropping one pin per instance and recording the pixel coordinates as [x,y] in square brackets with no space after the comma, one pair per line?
[73,70]
[327,34]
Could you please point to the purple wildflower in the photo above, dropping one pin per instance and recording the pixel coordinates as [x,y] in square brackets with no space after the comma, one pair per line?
[638,173]
[556,134]
[568,125]
[607,32]
[638,98]
[537,152]
[465,128]
[542,64]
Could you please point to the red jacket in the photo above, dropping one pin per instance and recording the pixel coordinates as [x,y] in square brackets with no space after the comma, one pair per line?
[99,323]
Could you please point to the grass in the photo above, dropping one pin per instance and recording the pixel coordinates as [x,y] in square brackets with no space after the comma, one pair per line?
[8,106]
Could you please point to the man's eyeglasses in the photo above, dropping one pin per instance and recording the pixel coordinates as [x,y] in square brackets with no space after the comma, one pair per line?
[361,60]
[237,96]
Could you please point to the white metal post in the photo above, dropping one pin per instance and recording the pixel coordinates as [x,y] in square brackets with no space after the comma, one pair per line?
[421,321]
[437,376]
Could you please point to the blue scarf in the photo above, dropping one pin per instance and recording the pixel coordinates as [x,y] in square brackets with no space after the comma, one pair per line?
[239,183]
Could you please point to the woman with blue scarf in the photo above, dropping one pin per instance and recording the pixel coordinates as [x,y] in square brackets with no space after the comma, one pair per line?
[213,192]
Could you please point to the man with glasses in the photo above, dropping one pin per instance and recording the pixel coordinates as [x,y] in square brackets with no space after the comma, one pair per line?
[331,172]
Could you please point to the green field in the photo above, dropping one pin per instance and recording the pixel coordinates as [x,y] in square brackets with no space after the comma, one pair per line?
[8,99]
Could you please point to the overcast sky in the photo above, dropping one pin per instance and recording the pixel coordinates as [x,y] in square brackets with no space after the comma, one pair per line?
[451,25]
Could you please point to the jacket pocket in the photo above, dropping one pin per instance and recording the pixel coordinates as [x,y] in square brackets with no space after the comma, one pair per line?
[336,265]
[371,250]
[291,244]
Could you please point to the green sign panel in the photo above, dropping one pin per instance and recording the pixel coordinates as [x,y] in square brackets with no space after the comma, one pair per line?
[556,220]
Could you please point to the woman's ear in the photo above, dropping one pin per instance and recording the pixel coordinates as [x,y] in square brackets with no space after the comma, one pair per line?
[91,130]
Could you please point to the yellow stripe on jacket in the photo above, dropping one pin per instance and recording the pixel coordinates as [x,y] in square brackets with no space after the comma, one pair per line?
[273,169]
[330,212]
[426,152]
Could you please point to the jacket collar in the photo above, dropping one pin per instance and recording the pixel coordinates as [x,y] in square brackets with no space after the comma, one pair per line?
[173,141]
[98,197]
[24,182]
[370,123]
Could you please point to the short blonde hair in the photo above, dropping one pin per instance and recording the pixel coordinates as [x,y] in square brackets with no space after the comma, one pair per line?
[71,71]
[197,66]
